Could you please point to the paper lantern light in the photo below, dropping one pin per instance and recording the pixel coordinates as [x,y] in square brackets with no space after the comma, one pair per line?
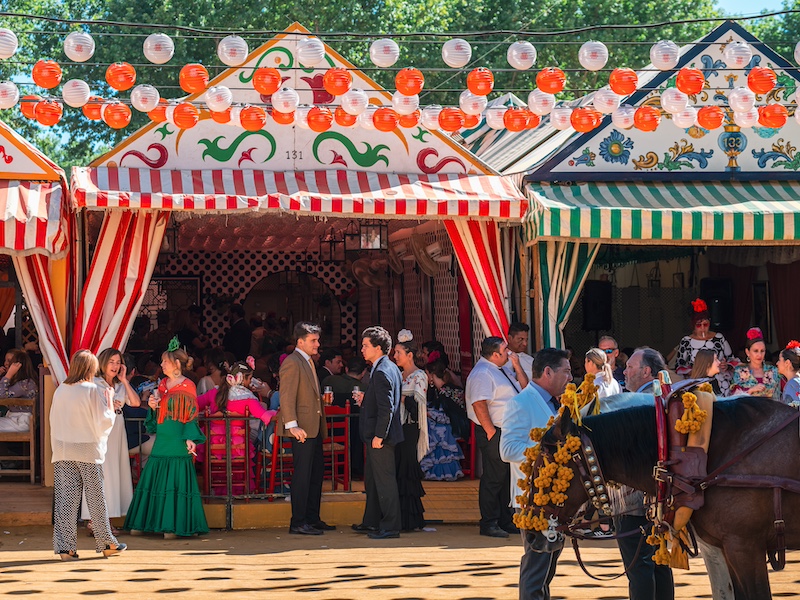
[267,80]
[404,105]
[48,112]
[193,78]
[430,117]
[761,80]
[533,120]
[355,101]
[222,116]
[646,118]
[560,117]
[521,55]
[9,95]
[337,81]
[384,53]
[623,81]
[471,104]
[116,115]
[451,119]
[623,116]
[144,98]
[27,105]
[741,99]
[494,117]
[585,119]
[797,116]
[593,55]
[233,51]
[773,116]
[93,109]
[605,101]
[310,52]
[236,116]
[158,48]
[186,115]
[686,118]
[738,55]
[319,119]
[409,81]
[79,46]
[8,43]
[252,118]
[365,119]
[410,120]
[121,76]
[664,55]
[456,53]
[471,121]
[710,117]
[301,116]
[46,74]
[344,118]
[159,113]
[385,119]
[747,118]
[218,98]
[551,80]
[283,118]
[673,100]
[541,103]
[285,100]
[796,53]
[75,93]
[515,119]
[690,81]
[480,81]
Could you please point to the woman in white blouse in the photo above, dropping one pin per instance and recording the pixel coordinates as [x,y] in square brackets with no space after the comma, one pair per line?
[81,417]
[596,363]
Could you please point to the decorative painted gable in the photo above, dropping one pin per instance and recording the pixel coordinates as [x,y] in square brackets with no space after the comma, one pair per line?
[21,161]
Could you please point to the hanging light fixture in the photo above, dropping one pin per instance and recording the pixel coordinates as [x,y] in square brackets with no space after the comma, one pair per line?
[375,235]
[352,237]
[331,247]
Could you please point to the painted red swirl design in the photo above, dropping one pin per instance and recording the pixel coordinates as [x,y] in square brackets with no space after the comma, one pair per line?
[430,169]
[155,163]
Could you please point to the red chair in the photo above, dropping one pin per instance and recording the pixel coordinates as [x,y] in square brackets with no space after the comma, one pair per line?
[336,447]
[281,462]
[216,457]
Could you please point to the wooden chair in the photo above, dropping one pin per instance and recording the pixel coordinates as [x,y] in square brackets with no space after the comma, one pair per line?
[281,462]
[23,437]
[336,447]
[216,457]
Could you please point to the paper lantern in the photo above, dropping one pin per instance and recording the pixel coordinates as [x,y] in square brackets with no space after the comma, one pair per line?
[773,116]
[456,53]
[193,78]
[310,52]
[236,116]
[186,115]
[738,55]
[159,113]
[337,81]
[385,119]
[285,100]
[605,101]
[8,43]
[747,118]
[623,81]
[267,80]
[541,103]
[533,120]
[75,93]
[46,74]
[384,53]
[796,53]
[252,118]
[451,119]
[9,94]
[710,117]
[673,100]
[232,51]
[471,121]
[319,119]
[92,110]
[761,80]
[646,118]
[344,118]
[494,117]
[686,118]
[471,104]
[355,101]
[222,116]
[121,76]
[521,55]
[144,98]
[593,56]
[218,98]
[27,105]
[411,120]
[515,119]
[585,119]
[79,46]
[797,116]
[430,117]
[551,80]
[623,116]
[560,117]
[480,81]
[664,55]
[48,112]
[404,105]
[690,81]
[301,115]
[116,115]
[741,99]
[158,48]
[283,118]
[365,119]
[409,81]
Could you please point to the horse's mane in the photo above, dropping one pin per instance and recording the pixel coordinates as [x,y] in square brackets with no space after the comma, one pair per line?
[628,435]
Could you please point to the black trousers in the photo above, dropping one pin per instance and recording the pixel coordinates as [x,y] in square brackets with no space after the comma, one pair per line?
[536,569]
[306,486]
[646,579]
[494,491]
[380,482]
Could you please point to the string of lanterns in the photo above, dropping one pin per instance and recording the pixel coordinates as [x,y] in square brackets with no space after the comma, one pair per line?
[354,109]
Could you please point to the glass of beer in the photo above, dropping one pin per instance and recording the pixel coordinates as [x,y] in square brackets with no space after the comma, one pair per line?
[327,396]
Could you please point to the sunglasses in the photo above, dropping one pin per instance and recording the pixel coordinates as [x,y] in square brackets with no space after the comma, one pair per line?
[610,350]
[704,323]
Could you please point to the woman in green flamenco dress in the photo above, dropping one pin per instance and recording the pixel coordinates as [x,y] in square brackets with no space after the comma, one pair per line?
[167,498]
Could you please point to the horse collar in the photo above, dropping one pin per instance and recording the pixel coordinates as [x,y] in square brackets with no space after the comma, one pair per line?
[591,475]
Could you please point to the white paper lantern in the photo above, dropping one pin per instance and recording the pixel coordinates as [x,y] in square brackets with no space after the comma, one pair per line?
[456,53]
[169,112]
[796,53]
[494,117]
[664,55]
[354,101]
[233,50]
[75,93]
[623,116]
[365,119]
[219,98]
[9,94]
[747,118]
[79,46]
[8,43]
[521,55]
[673,100]
[429,118]
[606,101]
[158,48]
[301,116]
[144,98]
[471,104]
[560,116]
[541,103]
[741,99]
[404,105]
[686,118]
[738,55]
[285,100]
[236,116]
[797,116]
[384,53]
[310,52]
[593,56]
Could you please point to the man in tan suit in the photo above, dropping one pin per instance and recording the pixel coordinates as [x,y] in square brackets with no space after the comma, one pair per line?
[302,417]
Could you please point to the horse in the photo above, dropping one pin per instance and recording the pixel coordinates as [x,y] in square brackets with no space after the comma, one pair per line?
[738,521]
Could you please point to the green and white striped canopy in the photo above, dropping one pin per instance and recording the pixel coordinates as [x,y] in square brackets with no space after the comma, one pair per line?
[697,213]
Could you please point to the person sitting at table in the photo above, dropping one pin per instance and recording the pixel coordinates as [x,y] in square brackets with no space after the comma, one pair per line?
[18,381]
[756,378]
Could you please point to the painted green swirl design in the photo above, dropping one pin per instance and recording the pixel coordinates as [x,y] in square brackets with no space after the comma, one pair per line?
[367,158]
[220,154]
[280,50]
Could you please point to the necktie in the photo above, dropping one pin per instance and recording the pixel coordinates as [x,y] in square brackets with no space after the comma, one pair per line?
[314,375]
[554,403]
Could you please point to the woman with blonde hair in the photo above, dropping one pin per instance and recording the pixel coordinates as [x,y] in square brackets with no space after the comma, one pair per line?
[81,417]
[596,363]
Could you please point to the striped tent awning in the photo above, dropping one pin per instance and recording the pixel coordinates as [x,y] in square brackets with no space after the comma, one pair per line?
[302,192]
[31,218]
[674,213]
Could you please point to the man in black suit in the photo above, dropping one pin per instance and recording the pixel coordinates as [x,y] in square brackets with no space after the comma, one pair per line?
[237,338]
[381,431]
[330,363]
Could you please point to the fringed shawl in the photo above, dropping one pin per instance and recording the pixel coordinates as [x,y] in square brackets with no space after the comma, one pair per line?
[178,403]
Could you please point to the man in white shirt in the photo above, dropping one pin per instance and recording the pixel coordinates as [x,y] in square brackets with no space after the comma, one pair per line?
[518,343]
[489,388]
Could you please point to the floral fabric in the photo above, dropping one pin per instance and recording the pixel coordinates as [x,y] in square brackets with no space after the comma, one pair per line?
[744,380]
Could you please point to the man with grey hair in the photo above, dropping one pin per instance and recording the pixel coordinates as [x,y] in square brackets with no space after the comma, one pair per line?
[642,368]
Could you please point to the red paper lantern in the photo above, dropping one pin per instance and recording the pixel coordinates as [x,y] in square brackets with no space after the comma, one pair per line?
[159,113]
[551,80]
[27,104]
[773,116]
[186,115]
[344,118]
[117,115]
[320,119]
[120,76]
[48,112]
[451,119]
[221,116]
[253,118]
[516,119]
[385,119]
[690,81]
[623,81]
[337,81]
[471,121]
[46,74]
[267,80]
[585,119]
[409,81]
[411,120]
[283,118]
[480,81]
[193,78]
[93,109]
[710,117]
[646,118]
[533,120]
[761,80]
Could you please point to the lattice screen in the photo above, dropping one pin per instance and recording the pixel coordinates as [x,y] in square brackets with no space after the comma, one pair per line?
[445,301]
[412,300]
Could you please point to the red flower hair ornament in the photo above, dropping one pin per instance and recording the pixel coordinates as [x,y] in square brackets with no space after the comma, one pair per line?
[754,333]
[433,356]
[699,305]
[793,345]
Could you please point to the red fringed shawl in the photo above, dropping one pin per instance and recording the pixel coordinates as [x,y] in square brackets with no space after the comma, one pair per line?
[178,403]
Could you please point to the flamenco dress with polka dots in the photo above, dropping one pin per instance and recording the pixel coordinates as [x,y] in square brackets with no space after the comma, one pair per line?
[167,498]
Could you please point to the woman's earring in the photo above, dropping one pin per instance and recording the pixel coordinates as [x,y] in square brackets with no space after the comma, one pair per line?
[176,373]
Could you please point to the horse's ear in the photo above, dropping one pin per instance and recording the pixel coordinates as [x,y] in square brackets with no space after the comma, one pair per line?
[565,422]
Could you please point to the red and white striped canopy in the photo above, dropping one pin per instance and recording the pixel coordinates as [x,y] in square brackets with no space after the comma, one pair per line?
[310,192]
[31,218]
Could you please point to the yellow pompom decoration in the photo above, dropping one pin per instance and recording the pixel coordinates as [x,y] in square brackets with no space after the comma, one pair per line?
[661,555]
[693,416]
[705,387]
